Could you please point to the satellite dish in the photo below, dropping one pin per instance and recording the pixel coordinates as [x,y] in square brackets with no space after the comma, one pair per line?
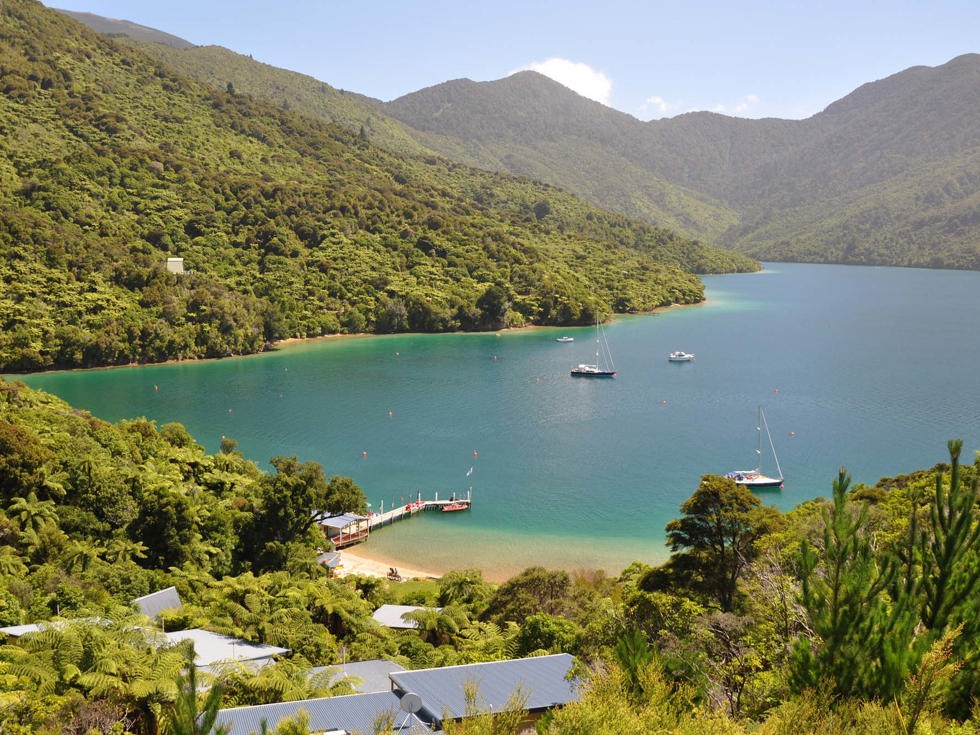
[411,702]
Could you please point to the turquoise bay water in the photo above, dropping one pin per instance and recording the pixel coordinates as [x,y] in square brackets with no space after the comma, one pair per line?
[868,368]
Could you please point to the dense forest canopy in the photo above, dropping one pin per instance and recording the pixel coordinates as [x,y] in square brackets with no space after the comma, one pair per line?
[288,226]
[852,614]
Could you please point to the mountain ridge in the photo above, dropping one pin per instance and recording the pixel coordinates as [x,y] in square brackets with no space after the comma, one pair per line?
[902,146]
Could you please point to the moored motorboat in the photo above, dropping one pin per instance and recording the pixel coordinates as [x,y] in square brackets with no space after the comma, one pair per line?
[565,339]
[455,506]
[680,356]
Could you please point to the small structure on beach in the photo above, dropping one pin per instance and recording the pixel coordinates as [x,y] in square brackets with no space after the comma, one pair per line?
[345,530]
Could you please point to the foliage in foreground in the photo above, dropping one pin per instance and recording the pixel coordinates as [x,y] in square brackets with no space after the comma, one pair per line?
[853,614]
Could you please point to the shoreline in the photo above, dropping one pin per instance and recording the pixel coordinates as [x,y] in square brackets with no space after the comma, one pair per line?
[289,341]
[358,563]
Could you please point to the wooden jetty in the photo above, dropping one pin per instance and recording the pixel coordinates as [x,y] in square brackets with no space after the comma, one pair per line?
[419,505]
[350,530]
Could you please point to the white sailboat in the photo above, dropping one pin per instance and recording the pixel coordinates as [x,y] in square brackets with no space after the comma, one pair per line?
[755,478]
[603,366]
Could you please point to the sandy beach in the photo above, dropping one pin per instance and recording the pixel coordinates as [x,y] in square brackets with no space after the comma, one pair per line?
[356,563]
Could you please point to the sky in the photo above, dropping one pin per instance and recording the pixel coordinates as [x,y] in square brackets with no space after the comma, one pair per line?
[654,59]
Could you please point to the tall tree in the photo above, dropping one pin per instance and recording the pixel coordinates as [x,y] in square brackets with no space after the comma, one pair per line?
[942,563]
[946,548]
[861,636]
[721,522]
[290,502]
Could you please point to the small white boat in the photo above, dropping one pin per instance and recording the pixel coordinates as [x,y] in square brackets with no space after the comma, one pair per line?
[680,356]
[565,339]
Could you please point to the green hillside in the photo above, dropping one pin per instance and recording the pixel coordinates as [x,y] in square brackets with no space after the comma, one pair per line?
[886,175]
[288,226]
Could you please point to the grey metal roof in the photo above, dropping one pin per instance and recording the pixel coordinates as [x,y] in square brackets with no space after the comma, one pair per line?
[353,713]
[390,616]
[341,521]
[541,679]
[16,631]
[154,603]
[369,676]
[211,648]
[329,559]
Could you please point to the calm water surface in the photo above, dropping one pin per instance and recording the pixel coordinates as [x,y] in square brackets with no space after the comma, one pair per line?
[868,368]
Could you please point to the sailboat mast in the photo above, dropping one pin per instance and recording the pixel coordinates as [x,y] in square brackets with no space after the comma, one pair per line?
[772,446]
[758,448]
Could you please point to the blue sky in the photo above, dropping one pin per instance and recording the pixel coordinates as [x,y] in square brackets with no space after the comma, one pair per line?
[654,59]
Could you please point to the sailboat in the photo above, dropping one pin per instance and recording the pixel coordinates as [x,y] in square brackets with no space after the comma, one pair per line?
[755,478]
[603,366]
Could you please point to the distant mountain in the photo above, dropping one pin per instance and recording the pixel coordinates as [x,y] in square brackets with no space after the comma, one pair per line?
[127,29]
[112,162]
[529,125]
[889,174]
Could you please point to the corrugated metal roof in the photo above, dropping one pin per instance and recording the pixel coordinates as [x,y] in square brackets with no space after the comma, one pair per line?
[154,603]
[371,676]
[341,521]
[390,616]
[353,713]
[541,679]
[16,631]
[211,648]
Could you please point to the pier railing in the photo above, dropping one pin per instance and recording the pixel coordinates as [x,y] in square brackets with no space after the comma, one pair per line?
[384,518]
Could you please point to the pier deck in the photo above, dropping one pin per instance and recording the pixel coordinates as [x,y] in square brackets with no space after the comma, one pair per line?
[362,529]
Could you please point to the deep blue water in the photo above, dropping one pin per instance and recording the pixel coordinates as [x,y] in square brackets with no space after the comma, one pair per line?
[872,369]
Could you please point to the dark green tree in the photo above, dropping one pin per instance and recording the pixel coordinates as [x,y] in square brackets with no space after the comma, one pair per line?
[633,654]
[946,548]
[534,590]
[549,633]
[714,539]
[21,459]
[861,638]
[942,569]
[289,505]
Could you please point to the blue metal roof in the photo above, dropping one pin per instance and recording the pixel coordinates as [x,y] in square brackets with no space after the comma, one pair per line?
[212,648]
[353,713]
[367,676]
[154,603]
[341,521]
[541,680]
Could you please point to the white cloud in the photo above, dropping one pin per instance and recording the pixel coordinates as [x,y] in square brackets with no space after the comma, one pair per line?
[748,102]
[578,77]
[656,107]
[742,108]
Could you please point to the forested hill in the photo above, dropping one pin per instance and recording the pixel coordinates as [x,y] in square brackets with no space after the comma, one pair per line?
[888,175]
[288,226]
